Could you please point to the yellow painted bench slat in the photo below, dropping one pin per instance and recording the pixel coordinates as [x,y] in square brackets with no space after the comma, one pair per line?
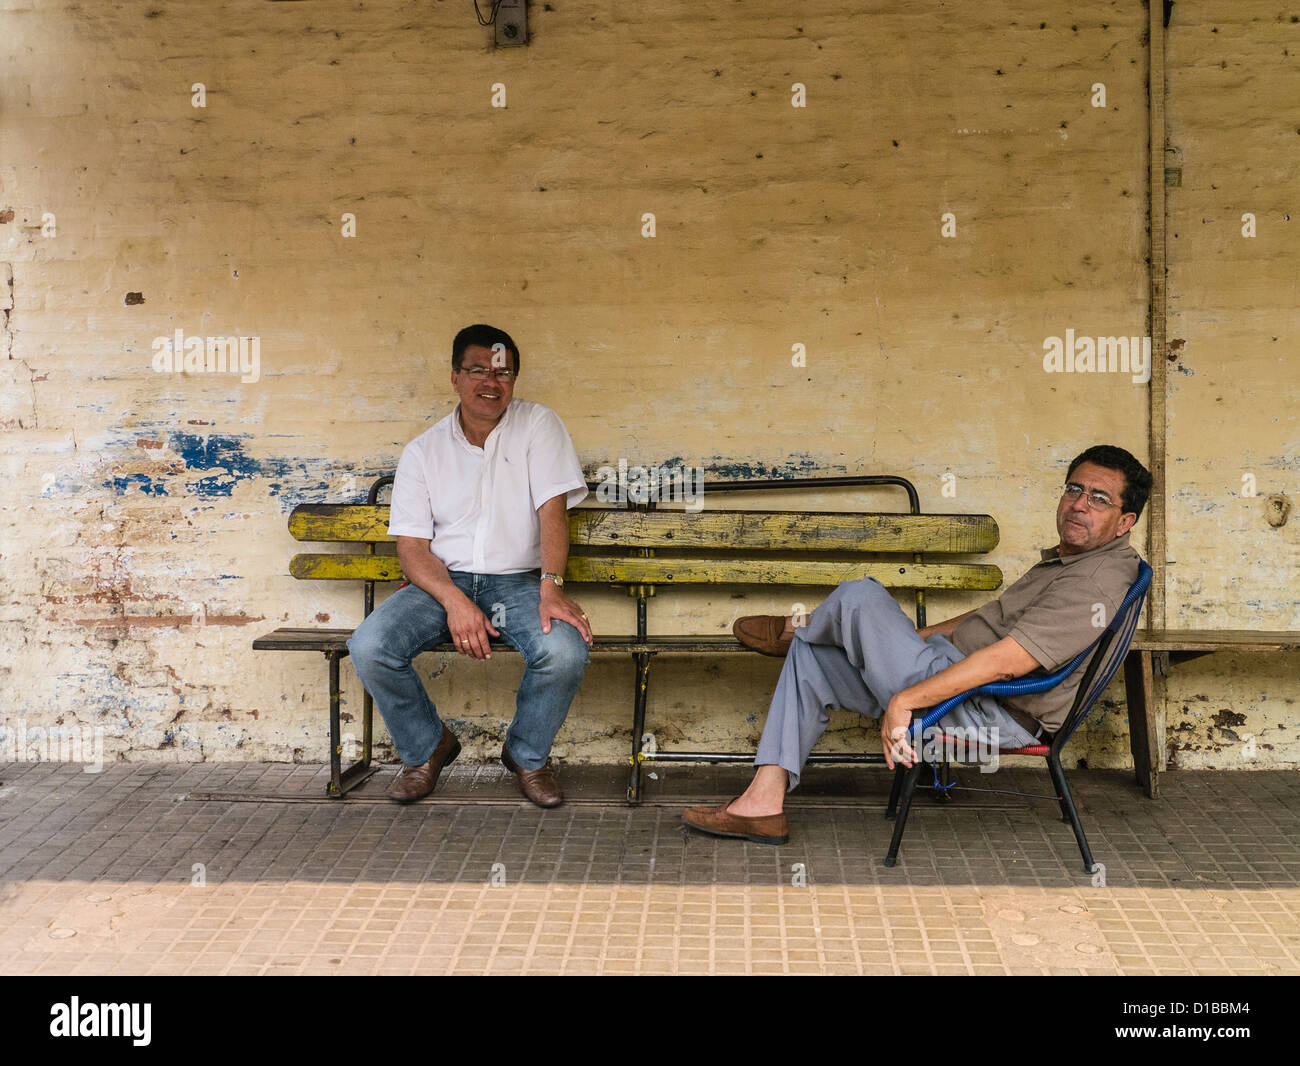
[741,530]
[665,570]
[668,570]
[347,522]
[821,531]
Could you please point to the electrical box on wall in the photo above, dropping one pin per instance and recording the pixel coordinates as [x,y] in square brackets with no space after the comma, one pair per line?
[512,22]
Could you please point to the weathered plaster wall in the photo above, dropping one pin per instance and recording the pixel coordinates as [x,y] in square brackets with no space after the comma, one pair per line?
[1234,375]
[143,539]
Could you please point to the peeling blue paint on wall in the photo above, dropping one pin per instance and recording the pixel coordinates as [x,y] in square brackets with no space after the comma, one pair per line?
[146,484]
[224,455]
[226,462]
[219,452]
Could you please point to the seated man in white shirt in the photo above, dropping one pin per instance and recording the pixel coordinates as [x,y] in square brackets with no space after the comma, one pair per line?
[479,512]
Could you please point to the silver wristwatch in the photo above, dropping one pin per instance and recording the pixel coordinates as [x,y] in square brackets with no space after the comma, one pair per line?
[559,581]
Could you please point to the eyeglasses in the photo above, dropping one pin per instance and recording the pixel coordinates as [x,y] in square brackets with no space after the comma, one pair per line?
[1097,501]
[480,373]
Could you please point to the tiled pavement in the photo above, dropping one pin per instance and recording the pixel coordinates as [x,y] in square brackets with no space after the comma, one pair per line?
[174,869]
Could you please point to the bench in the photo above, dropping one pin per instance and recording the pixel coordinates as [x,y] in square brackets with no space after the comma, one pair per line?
[644,549]
[1154,651]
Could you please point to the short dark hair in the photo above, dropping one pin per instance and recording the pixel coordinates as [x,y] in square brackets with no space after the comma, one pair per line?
[481,336]
[1137,478]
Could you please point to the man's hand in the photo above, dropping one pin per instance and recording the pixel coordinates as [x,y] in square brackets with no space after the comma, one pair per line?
[470,628]
[556,605]
[894,727]
[998,662]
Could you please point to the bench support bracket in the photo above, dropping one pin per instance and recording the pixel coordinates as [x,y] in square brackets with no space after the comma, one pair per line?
[343,781]
[642,682]
[1143,734]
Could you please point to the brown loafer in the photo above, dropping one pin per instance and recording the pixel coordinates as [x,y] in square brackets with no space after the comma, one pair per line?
[416,782]
[762,632]
[539,786]
[720,822]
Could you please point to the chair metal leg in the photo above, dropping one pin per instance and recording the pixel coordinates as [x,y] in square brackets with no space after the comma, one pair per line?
[892,809]
[1067,805]
[900,823]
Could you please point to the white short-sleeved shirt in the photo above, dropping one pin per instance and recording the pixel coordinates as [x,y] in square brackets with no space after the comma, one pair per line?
[478,506]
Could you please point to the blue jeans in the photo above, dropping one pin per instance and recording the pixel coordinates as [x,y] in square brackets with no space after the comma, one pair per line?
[411,621]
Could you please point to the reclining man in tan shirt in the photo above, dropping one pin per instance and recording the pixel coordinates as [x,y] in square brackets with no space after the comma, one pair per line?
[859,651]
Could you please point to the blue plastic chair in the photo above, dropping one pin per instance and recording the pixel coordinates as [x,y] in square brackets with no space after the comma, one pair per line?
[1110,649]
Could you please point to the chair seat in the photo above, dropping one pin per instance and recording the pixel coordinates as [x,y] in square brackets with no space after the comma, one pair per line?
[951,742]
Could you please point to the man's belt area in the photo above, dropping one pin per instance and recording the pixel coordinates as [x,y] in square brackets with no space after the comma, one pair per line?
[1028,723]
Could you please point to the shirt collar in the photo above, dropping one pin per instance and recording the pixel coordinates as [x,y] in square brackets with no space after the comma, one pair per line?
[457,433]
[1053,554]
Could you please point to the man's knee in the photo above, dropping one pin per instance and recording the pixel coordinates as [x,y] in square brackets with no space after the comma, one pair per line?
[562,652]
[377,642]
[366,645]
[860,592]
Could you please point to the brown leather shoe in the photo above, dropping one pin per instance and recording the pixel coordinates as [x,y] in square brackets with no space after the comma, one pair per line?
[762,632]
[719,821]
[539,786]
[416,782]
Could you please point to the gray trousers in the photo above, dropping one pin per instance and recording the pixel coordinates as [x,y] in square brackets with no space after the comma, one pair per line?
[857,650]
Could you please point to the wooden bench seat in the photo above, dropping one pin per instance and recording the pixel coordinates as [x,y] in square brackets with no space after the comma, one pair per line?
[1198,642]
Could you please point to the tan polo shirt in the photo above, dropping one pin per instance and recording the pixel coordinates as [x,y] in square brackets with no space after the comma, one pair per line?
[1055,611]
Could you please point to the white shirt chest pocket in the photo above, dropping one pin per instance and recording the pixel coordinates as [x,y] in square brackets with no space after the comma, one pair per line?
[510,475]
